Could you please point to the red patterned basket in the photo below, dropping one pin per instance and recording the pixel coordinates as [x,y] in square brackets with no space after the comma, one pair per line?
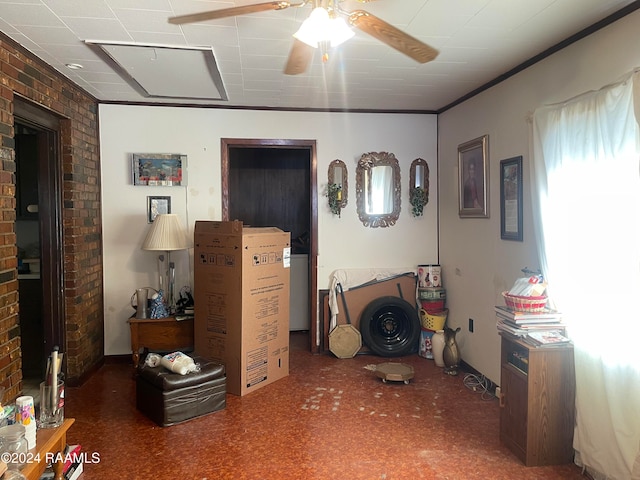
[525,304]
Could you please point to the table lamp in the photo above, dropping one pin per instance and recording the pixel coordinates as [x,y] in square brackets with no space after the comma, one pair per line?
[166,234]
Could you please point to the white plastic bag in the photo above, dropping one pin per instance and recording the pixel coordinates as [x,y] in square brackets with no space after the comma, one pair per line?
[152,360]
[528,287]
[180,363]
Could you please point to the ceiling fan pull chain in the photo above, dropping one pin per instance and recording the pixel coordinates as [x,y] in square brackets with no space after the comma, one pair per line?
[324,50]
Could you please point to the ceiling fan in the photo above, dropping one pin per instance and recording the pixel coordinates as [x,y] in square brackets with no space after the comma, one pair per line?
[327,16]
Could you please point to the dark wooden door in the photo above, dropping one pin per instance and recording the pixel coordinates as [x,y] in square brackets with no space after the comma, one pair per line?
[44,144]
[270,188]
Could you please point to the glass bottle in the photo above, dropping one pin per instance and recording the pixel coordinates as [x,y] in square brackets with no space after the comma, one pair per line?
[14,442]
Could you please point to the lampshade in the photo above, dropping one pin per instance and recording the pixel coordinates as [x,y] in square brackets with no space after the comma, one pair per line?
[320,27]
[166,234]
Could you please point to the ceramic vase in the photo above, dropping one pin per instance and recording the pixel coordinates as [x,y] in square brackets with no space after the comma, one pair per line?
[437,347]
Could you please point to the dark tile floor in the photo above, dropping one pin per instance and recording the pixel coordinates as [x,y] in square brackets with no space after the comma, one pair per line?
[329,419]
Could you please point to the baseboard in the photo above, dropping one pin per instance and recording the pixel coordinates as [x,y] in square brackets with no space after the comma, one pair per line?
[118,359]
[106,360]
[78,381]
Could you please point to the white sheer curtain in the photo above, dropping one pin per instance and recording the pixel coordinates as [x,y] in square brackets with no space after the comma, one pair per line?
[586,184]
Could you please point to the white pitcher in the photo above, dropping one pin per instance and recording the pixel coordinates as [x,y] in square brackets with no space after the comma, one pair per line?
[140,301]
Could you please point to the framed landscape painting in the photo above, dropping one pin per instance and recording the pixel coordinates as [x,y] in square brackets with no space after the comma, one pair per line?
[159,169]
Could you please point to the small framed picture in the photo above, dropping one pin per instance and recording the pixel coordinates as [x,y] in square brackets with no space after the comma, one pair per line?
[473,173]
[157,206]
[159,169]
[511,199]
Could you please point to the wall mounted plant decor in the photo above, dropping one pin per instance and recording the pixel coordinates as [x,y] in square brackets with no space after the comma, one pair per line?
[418,186]
[338,187]
[418,201]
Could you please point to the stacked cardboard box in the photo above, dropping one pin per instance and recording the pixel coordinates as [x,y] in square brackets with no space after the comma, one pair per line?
[241,294]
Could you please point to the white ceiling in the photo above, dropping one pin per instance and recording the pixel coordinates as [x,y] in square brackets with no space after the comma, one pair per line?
[478,40]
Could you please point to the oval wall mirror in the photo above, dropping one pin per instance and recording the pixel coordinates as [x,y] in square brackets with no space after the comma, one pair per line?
[338,187]
[378,189]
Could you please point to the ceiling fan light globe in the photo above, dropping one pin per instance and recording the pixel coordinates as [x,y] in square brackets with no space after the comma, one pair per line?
[339,31]
[314,27]
[305,36]
[320,27]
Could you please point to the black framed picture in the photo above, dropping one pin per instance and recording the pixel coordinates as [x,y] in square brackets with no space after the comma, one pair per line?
[157,206]
[511,199]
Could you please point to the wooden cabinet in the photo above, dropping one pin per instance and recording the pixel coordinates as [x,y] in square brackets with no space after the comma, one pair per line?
[537,402]
[50,445]
[160,335]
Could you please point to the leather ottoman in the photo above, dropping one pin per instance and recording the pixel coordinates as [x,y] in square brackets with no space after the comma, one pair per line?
[169,398]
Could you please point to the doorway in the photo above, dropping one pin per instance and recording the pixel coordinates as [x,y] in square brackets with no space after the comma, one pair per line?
[38,237]
[273,183]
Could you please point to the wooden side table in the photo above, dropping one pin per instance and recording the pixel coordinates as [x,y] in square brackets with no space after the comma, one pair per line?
[160,334]
[49,442]
[537,401]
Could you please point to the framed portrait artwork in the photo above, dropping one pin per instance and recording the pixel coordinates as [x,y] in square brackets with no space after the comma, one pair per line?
[159,169]
[157,206]
[511,199]
[473,174]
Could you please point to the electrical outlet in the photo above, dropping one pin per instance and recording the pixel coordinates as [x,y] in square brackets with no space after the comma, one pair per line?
[471,325]
[498,392]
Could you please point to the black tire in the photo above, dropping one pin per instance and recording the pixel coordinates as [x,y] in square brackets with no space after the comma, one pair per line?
[390,327]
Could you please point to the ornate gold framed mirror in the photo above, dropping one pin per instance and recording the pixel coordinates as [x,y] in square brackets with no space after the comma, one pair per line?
[418,186]
[378,189]
[338,186]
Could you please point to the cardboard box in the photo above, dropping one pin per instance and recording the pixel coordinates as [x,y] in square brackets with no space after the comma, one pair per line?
[241,296]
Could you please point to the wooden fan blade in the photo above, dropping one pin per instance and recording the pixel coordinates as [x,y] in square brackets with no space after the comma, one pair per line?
[228,12]
[299,58]
[395,38]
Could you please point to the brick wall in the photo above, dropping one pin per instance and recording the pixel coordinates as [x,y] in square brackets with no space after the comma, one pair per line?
[22,74]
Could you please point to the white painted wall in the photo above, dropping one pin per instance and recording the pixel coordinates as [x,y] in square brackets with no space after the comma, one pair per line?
[477,264]
[343,242]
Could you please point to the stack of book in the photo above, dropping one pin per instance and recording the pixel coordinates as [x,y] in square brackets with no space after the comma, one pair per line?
[546,338]
[543,328]
[73,466]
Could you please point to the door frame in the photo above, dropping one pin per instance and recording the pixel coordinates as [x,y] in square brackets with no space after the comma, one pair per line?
[49,218]
[226,145]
